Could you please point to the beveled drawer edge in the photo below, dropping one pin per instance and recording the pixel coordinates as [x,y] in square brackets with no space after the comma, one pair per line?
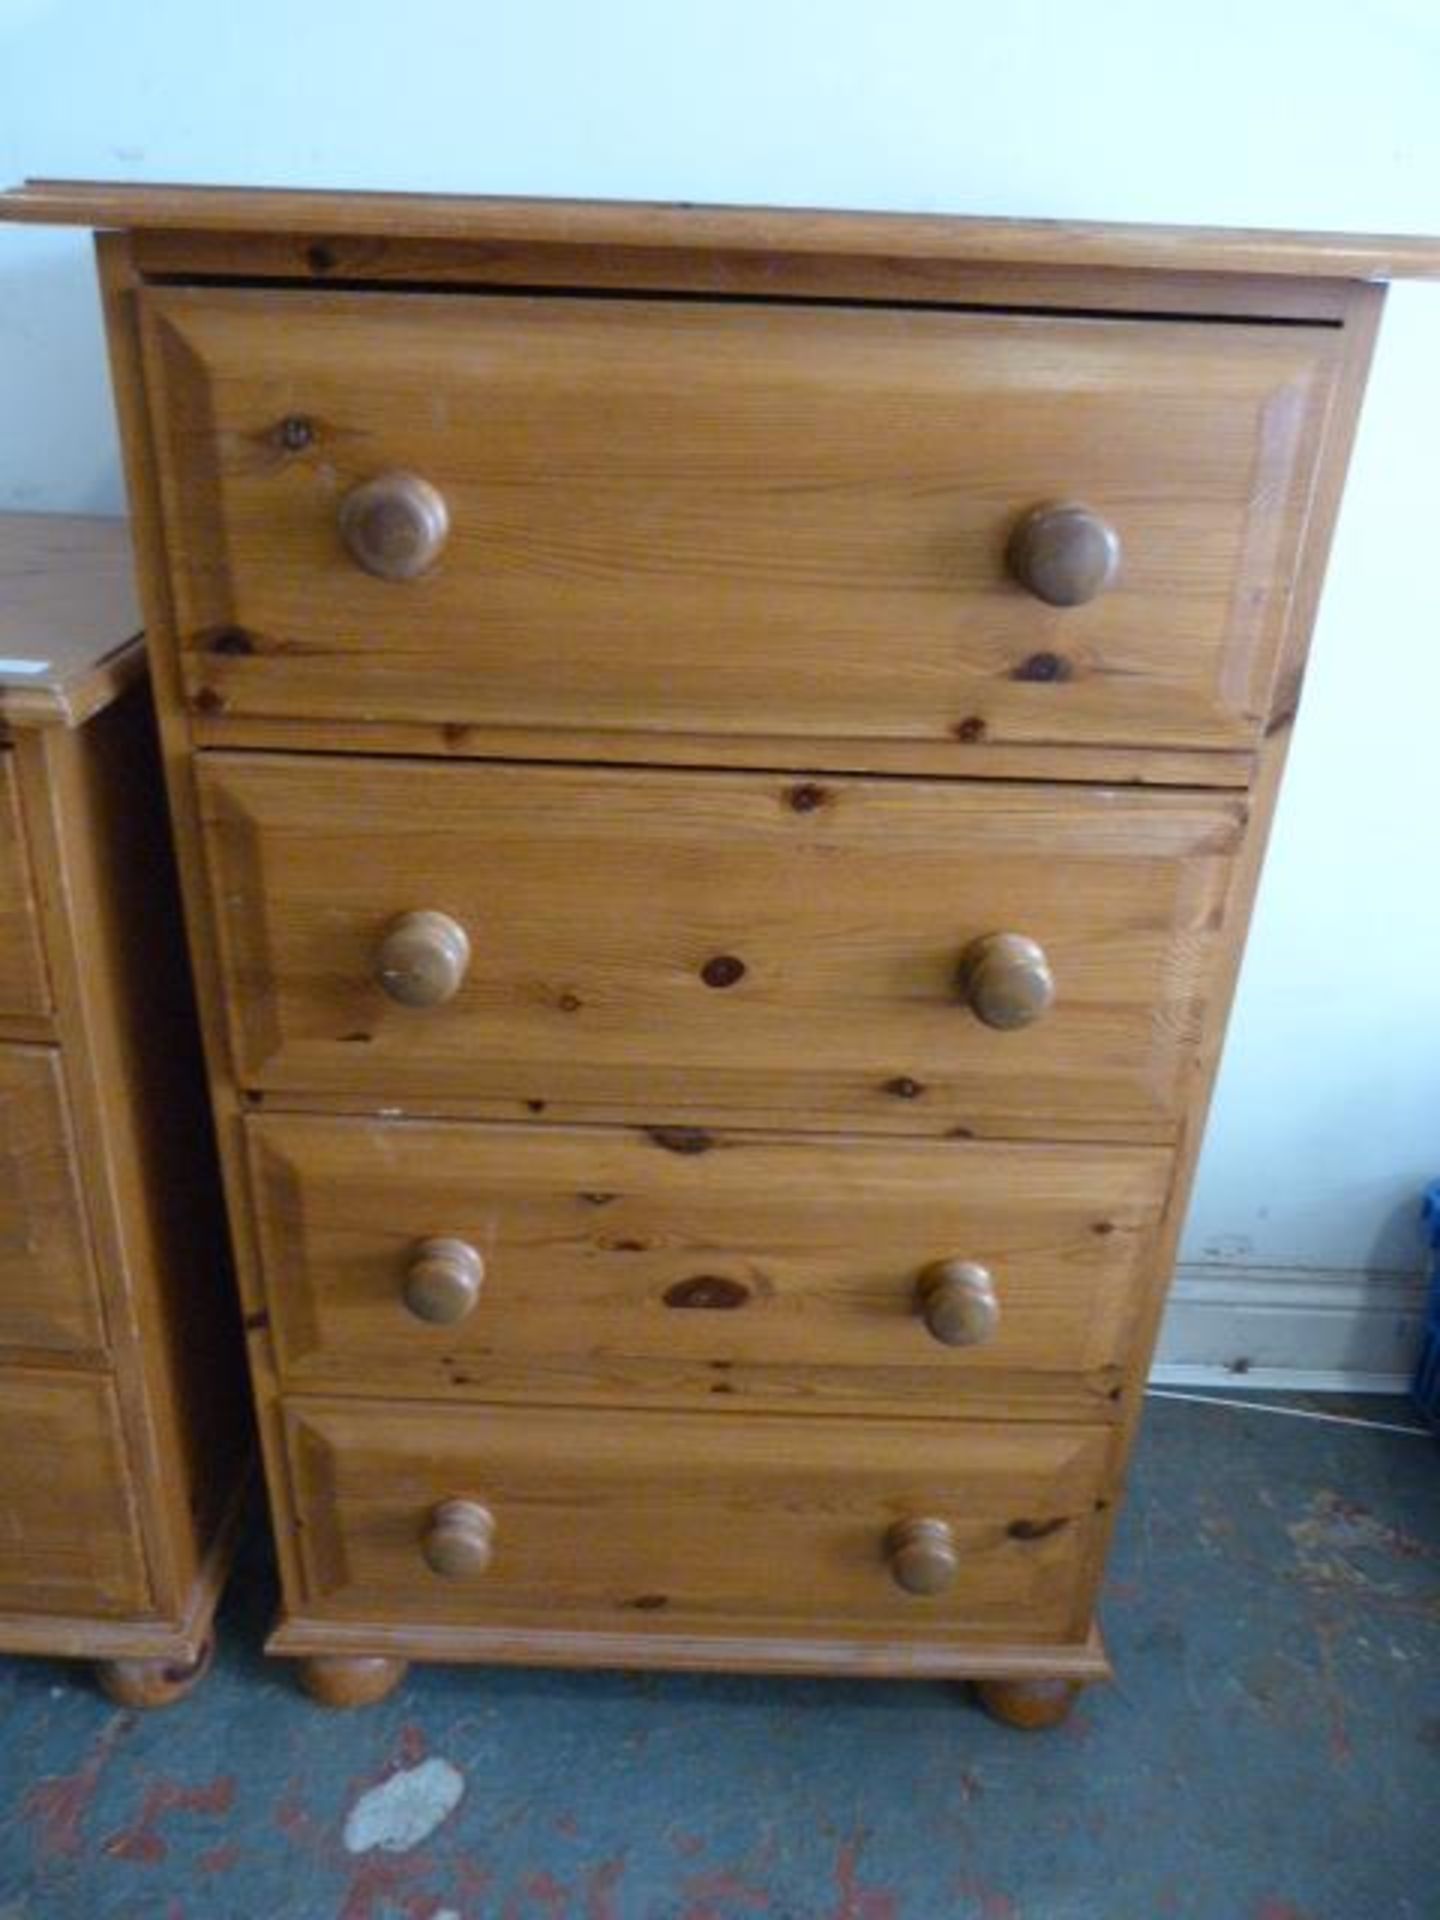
[86,1274]
[27,1030]
[181,1637]
[288,259]
[950,1658]
[1045,1404]
[85,1363]
[839,758]
[293,1399]
[23,795]
[1027,1398]
[113,1472]
[698,1126]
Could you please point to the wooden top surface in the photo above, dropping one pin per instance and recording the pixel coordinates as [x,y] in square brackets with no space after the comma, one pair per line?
[489,220]
[69,619]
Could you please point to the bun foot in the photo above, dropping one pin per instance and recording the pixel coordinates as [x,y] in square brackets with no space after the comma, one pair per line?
[350,1679]
[1028,1704]
[152,1683]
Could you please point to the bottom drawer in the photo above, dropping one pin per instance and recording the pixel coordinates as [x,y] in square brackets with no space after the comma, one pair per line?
[694,1523]
[69,1539]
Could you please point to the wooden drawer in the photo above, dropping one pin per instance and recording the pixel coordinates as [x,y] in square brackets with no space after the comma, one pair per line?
[23,986]
[69,1537]
[554,1263]
[48,1294]
[670,945]
[726,519]
[690,1523]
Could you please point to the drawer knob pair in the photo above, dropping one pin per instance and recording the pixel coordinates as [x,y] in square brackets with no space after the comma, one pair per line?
[395,527]
[443,1281]
[1004,978]
[956,1298]
[459,1544]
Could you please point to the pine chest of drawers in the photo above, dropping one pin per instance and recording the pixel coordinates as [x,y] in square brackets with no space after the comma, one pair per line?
[122,1408]
[721,762]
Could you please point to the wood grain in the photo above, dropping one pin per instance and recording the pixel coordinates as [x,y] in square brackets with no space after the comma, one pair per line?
[976,759]
[125,1021]
[1329,482]
[607,910]
[790,520]
[123,1512]
[779,1651]
[486,219]
[119,296]
[48,1294]
[269,921]
[66,1516]
[399,260]
[24,989]
[604,1521]
[764,1272]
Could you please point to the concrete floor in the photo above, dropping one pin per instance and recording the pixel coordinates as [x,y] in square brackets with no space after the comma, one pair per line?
[1271,1751]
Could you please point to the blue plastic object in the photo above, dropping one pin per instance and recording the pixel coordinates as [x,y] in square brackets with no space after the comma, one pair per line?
[1427,1374]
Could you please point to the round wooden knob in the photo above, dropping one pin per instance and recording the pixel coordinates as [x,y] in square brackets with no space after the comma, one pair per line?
[1005,980]
[958,1304]
[1064,555]
[923,1556]
[443,1281]
[395,526]
[459,1540]
[423,959]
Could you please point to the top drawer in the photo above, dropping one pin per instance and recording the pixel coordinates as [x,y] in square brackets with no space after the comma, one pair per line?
[730,519]
[23,988]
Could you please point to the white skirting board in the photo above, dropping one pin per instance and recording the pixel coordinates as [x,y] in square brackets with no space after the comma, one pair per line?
[1306,1328]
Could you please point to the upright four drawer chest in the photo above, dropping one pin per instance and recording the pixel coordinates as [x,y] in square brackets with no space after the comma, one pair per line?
[720,761]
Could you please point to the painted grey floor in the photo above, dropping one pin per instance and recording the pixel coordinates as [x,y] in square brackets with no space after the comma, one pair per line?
[1271,1751]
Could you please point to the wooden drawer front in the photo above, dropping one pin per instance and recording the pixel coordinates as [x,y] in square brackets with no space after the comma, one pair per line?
[23,987]
[732,519]
[69,1539]
[688,1522]
[712,944]
[604,1264]
[48,1295]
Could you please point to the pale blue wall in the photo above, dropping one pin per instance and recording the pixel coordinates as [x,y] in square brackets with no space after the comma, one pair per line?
[1285,112]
